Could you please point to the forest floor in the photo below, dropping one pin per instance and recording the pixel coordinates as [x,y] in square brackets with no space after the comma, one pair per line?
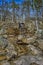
[20,46]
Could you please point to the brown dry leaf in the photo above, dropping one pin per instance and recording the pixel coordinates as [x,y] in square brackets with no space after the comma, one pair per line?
[3,58]
[10,31]
[24,40]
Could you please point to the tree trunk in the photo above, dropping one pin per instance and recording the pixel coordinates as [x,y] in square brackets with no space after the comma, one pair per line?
[37,27]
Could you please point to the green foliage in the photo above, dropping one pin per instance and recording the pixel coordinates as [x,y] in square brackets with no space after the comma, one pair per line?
[26,3]
[36,4]
[14,5]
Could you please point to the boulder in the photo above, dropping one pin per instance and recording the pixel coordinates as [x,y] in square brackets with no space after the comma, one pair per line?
[40,44]
[33,63]
[33,50]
